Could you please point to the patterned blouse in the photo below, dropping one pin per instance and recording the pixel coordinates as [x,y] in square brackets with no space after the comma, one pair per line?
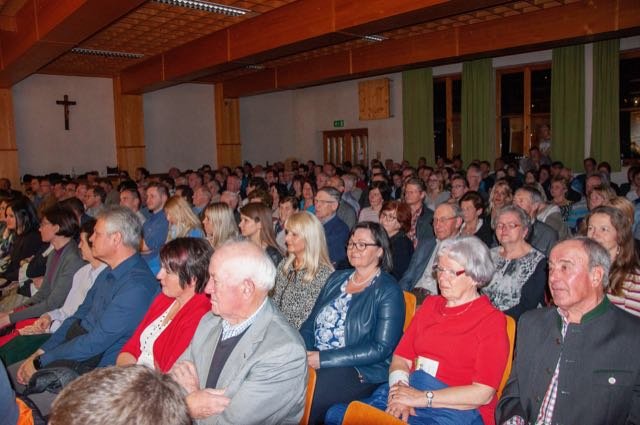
[294,297]
[507,286]
[329,329]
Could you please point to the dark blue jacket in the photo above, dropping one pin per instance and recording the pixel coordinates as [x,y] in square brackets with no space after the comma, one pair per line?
[418,263]
[337,233]
[372,329]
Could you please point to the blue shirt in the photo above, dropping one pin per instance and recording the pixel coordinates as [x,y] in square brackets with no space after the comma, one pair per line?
[110,313]
[155,230]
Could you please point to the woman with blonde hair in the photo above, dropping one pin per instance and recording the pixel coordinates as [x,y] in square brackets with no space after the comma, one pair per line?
[501,195]
[256,225]
[301,276]
[219,224]
[182,220]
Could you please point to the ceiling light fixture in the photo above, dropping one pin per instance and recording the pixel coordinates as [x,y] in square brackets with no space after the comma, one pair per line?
[106,53]
[207,7]
[374,37]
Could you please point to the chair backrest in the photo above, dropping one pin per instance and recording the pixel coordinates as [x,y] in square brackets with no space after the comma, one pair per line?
[511,333]
[359,413]
[311,388]
[409,308]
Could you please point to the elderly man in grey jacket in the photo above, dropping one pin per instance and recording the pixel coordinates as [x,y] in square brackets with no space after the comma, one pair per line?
[246,364]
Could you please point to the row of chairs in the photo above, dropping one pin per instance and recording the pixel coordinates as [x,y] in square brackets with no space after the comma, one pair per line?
[359,413]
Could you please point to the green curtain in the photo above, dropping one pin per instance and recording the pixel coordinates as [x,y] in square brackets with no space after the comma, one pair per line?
[605,123]
[478,111]
[417,115]
[567,106]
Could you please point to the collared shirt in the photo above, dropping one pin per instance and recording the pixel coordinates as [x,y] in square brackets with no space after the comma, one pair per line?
[114,306]
[229,330]
[155,230]
[413,231]
[427,281]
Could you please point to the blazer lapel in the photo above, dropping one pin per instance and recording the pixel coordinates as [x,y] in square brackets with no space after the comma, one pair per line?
[208,348]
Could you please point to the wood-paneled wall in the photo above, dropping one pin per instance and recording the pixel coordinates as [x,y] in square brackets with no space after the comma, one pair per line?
[228,144]
[8,149]
[129,122]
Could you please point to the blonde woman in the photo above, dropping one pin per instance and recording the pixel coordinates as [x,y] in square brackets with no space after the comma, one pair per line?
[301,276]
[182,220]
[501,195]
[219,224]
[256,225]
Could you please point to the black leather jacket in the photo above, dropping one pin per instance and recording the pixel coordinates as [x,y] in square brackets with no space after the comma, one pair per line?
[372,330]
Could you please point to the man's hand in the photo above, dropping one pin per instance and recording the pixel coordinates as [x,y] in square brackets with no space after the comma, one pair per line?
[26,370]
[313,359]
[37,281]
[207,402]
[185,374]
[43,323]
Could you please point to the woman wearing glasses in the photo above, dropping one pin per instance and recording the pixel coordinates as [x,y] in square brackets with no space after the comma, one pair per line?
[355,324]
[303,273]
[451,359]
[395,217]
[521,271]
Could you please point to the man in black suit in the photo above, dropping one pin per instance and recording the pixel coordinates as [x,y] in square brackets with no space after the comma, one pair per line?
[576,363]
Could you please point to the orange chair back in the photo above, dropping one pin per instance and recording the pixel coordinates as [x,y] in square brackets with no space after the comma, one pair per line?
[359,413]
[511,333]
[409,308]
[311,388]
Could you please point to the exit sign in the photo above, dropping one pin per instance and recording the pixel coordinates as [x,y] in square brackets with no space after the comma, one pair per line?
[338,123]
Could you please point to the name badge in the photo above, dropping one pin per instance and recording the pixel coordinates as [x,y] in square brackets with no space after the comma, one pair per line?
[427,365]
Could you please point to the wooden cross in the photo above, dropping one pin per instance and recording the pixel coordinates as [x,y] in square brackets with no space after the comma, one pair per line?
[66,103]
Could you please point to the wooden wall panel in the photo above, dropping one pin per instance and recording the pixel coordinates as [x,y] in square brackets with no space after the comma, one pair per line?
[228,144]
[373,99]
[8,151]
[314,70]
[259,82]
[129,123]
[199,54]
[147,73]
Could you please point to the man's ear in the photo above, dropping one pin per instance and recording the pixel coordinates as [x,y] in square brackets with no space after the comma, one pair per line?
[597,275]
[248,288]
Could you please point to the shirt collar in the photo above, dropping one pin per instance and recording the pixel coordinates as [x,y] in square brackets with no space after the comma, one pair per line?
[594,313]
[123,268]
[229,330]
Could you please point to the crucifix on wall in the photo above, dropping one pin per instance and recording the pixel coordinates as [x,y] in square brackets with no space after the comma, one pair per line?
[66,103]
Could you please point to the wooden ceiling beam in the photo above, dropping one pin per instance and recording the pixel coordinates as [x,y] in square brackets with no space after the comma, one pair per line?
[573,23]
[47,29]
[299,26]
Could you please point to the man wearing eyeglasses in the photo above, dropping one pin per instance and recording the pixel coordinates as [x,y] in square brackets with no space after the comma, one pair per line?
[336,231]
[419,278]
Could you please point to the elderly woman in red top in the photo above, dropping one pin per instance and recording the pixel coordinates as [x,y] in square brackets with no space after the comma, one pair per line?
[451,359]
[172,319]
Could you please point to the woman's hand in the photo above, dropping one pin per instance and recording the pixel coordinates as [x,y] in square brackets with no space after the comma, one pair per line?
[313,359]
[405,395]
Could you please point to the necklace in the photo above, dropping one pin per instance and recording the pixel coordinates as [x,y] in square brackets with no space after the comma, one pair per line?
[361,286]
[352,278]
[442,312]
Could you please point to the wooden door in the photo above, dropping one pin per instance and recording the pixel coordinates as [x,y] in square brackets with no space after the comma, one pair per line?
[346,145]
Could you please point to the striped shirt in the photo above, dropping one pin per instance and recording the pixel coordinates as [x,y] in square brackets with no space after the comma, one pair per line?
[229,330]
[630,298]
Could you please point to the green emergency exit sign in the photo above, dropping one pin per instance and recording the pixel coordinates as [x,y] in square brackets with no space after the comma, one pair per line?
[338,123]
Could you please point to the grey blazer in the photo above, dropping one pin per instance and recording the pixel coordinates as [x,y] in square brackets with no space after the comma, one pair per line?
[265,375]
[55,286]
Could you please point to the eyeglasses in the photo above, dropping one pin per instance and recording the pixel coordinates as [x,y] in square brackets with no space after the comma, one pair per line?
[509,226]
[323,201]
[439,271]
[360,246]
[388,216]
[442,219]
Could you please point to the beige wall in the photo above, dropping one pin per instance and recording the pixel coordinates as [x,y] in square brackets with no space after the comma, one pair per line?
[44,146]
[179,127]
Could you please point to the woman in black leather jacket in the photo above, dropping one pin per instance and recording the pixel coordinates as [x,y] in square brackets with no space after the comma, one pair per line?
[355,324]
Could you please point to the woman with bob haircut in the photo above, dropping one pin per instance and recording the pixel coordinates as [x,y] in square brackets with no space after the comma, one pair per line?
[612,229]
[59,227]
[172,319]
[256,225]
[219,224]
[301,276]
[395,217]
[451,359]
[355,324]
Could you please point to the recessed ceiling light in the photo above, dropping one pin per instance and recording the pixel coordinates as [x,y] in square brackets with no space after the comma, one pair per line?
[106,53]
[374,37]
[207,7]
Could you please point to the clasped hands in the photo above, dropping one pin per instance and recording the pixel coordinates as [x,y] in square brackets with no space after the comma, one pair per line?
[403,400]
[202,403]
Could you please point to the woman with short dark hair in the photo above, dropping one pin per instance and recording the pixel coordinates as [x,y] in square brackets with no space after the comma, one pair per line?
[395,217]
[172,319]
[355,324]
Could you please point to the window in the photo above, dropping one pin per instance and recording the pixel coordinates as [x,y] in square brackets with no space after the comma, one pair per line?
[630,107]
[447,104]
[524,108]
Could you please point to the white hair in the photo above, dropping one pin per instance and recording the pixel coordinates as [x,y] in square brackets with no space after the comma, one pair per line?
[248,261]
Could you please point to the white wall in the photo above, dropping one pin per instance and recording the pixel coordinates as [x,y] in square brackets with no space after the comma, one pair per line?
[287,124]
[179,127]
[44,146]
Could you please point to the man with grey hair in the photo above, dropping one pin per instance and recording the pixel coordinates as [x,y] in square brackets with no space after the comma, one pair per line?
[576,363]
[245,364]
[112,309]
[419,279]
[336,231]
[541,236]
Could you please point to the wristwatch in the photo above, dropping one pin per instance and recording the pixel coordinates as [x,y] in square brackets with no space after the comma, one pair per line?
[37,365]
[429,395]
